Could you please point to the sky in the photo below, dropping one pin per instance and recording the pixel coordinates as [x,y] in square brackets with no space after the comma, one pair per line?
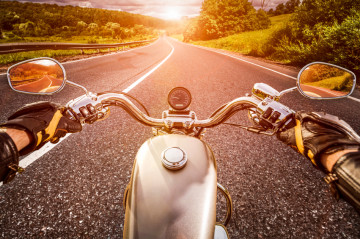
[165,9]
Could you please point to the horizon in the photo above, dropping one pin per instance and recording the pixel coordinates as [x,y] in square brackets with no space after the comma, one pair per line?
[163,9]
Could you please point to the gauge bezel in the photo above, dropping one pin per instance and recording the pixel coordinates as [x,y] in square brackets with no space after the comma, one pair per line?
[183,107]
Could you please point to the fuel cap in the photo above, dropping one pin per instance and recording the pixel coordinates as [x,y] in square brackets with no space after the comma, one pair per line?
[174,158]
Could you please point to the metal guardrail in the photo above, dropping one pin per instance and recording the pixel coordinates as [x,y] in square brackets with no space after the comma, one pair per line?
[22,47]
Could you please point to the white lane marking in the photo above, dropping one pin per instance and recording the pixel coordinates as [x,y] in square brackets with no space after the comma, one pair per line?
[237,58]
[37,154]
[147,74]
[46,148]
[353,98]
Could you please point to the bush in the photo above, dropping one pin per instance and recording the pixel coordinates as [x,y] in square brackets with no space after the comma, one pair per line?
[341,44]
[319,30]
[92,41]
[338,44]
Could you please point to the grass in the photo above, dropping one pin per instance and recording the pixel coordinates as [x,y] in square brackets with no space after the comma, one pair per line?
[339,83]
[246,42]
[74,39]
[20,56]
[179,37]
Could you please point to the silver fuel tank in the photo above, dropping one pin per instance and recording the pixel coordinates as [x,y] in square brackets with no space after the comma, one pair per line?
[163,203]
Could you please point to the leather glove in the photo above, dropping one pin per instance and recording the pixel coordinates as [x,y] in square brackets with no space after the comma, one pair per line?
[44,121]
[317,133]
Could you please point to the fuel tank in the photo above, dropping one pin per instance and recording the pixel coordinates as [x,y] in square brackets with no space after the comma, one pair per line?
[165,203]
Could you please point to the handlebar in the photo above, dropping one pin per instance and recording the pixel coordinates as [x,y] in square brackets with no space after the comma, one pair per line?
[81,109]
[227,111]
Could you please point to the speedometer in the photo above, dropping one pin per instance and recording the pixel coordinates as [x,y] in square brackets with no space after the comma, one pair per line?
[179,98]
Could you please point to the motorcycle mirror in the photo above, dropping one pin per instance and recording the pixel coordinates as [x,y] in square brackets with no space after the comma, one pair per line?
[42,76]
[319,80]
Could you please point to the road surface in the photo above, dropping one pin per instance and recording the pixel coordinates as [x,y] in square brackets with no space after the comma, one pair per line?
[321,92]
[45,84]
[76,189]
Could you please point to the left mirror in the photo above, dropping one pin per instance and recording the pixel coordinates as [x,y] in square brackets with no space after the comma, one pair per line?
[37,76]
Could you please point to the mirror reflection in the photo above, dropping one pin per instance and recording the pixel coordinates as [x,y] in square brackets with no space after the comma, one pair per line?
[325,81]
[39,76]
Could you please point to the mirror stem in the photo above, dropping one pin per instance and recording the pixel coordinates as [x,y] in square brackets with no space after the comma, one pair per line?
[288,91]
[79,86]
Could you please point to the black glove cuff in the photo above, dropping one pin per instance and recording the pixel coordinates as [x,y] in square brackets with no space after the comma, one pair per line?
[346,178]
[14,125]
[9,156]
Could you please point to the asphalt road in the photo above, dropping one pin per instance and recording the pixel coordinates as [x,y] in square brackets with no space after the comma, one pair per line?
[76,189]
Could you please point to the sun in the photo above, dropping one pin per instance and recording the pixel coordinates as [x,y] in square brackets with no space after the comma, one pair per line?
[172,13]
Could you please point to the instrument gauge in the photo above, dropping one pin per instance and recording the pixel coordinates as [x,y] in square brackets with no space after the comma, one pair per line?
[179,98]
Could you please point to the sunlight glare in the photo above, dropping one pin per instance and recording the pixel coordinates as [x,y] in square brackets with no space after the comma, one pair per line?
[172,13]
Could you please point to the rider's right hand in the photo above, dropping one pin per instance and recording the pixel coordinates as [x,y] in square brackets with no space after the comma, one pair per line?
[316,134]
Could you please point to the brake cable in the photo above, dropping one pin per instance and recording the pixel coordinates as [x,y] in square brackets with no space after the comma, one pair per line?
[130,96]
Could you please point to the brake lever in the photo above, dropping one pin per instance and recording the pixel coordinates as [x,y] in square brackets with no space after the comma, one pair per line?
[86,109]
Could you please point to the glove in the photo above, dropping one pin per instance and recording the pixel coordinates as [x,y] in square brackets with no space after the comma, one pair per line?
[44,121]
[319,133]
[9,158]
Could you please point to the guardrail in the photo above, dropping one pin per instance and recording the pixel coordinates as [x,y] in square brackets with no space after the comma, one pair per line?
[22,47]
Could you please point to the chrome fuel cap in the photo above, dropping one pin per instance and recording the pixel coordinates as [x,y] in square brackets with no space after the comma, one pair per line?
[174,158]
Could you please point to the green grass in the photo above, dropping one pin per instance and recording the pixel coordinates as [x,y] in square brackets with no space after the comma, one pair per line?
[179,37]
[74,39]
[340,83]
[21,56]
[246,42]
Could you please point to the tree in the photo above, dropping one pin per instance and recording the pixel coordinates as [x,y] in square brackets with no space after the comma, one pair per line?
[326,12]
[81,26]
[27,29]
[208,29]
[7,21]
[264,3]
[226,17]
[280,9]
[113,28]
[191,31]
[271,12]
[221,18]
[263,20]
[93,28]
[291,5]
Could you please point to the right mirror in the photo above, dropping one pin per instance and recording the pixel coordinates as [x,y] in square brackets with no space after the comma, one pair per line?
[325,81]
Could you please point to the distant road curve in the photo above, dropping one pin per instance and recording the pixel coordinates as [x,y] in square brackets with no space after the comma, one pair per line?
[320,92]
[43,85]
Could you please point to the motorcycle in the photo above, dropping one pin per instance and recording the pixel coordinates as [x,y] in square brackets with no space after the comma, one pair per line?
[176,163]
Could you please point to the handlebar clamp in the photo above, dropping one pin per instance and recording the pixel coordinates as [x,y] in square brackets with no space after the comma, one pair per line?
[273,115]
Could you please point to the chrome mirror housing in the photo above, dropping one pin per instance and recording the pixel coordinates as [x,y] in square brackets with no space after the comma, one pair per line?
[319,80]
[41,76]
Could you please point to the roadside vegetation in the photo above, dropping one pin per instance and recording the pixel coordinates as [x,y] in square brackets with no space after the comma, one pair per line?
[224,18]
[250,43]
[21,56]
[314,30]
[31,22]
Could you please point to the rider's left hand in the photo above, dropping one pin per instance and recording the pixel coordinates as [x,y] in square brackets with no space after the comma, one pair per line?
[44,121]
